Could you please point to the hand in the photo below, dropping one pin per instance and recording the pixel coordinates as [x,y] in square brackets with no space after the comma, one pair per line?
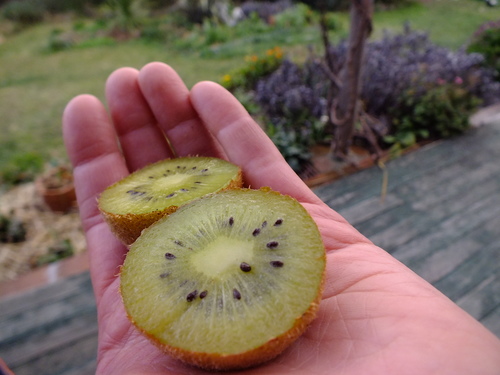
[376,317]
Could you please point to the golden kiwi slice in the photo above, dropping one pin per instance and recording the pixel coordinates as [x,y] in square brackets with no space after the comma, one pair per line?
[227,281]
[141,198]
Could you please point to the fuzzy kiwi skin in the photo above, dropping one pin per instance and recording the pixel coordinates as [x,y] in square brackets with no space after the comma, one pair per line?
[250,358]
[128,227]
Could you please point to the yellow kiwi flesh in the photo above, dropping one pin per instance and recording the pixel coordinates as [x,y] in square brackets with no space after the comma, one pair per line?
[227,281]
[141,198]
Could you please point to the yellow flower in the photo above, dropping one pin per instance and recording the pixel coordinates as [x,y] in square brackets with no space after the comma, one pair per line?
[226,78]
[278,52]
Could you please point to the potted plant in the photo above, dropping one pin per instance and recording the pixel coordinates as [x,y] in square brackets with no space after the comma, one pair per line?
[57,189]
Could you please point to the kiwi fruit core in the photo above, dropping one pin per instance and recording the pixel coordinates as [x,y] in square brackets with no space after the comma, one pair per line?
[227,281]
[144,196]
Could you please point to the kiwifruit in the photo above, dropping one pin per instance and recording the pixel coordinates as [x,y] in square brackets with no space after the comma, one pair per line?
[138,200]
[227,281]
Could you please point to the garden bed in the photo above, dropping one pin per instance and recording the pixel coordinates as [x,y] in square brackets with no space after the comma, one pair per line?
[49,236]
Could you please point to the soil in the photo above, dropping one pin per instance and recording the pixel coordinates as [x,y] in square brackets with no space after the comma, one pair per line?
[46,232]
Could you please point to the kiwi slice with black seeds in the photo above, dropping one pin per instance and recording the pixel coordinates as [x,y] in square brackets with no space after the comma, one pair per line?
[227,281]
[141,198]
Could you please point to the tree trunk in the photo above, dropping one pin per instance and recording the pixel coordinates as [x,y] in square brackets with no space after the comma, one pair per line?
[343,112]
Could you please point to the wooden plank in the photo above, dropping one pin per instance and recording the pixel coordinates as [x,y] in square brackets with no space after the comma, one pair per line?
[440,263]
[41,316]
[51,339]
[30,300]
[429,193]
[370,208]
[471,273]
[492,321]
[50,330]
[476,145]
[394,229]
[449,228]
[88,369]
[435,255]
[64,359]
[484,298]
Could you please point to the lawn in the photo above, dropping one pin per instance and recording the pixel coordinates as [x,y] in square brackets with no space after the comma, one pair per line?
[35,85]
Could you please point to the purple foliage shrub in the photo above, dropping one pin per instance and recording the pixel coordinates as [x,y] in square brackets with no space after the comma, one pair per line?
[410,60]
[395,66]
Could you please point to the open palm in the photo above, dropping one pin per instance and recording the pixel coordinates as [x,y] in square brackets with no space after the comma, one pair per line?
[376,315]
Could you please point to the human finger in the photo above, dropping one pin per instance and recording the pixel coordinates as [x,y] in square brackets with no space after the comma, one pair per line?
[90,140]
[142,141]
[245,143]
[169,100]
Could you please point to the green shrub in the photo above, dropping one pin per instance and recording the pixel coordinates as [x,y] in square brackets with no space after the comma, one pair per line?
[154,31]
[487,43]
[12,230]
[296,17]
[256,67]
[292,145]
[61,250]
[79,6]
[21,168]
[24,12]
[214,32]
[443,111]
[58,41]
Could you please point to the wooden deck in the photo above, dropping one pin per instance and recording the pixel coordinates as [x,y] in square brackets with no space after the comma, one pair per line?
[440,216]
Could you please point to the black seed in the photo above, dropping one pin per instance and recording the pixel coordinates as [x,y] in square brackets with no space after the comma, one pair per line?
[178,167]
[245,267]
[264,224]
[278,222]
[191,296]
[168,171]
[179,243]
[231,221]
[193,170]
[256,232]
[163,275]
[150,177]
[272,245]
[170,195]
[133,192]
[276,263]
[197,182]
[204,170]
[170,256]
[184,190]
[204,293]
[236,294]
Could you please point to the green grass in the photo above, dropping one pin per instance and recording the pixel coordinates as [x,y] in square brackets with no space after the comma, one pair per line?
[36,85]
[450,23]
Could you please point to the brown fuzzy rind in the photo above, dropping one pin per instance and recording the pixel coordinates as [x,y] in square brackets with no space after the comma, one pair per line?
[128,227]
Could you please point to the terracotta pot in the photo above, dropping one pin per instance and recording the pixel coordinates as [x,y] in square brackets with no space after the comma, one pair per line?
[58,198]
